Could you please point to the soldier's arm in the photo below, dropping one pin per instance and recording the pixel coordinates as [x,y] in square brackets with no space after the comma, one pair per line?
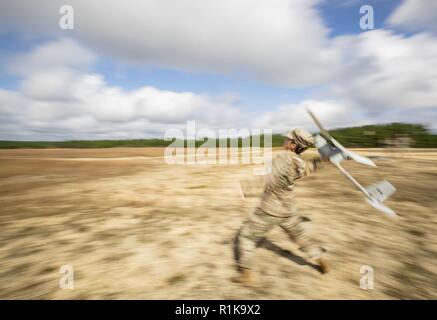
[306,167]
[313,165]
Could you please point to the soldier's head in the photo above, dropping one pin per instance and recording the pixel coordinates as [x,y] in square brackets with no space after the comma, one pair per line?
[298,140]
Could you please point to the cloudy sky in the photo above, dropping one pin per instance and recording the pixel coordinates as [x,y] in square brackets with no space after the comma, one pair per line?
[134,69]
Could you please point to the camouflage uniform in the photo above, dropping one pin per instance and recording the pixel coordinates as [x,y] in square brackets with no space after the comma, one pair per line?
[277,209]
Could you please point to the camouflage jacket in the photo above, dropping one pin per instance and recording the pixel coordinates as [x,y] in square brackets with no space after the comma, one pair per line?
[278,196]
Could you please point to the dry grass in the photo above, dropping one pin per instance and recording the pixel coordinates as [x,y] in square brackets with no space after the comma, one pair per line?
[134,227]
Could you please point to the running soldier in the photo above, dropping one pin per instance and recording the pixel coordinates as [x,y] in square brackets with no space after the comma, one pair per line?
[277,206]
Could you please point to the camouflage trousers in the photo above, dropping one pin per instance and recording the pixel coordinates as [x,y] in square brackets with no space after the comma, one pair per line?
[257,225]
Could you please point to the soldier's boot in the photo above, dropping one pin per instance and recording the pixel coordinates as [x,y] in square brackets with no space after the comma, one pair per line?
[323,265]
[244,277]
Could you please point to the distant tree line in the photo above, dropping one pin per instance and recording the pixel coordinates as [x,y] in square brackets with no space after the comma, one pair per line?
[371,136]
[386,135]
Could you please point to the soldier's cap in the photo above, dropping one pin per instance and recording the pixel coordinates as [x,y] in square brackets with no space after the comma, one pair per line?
[303,138]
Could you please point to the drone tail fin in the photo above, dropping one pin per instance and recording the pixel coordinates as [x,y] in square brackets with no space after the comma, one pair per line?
[379,192]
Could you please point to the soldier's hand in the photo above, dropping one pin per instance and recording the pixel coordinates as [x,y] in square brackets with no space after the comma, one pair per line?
[322,157]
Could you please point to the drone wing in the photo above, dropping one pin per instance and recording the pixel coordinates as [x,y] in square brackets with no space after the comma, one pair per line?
[323,132]
[346,154]
[331,149]
[353,155]
[375,194]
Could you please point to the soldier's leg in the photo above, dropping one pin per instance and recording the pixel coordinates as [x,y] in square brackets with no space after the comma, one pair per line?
[296,229]
[250,233]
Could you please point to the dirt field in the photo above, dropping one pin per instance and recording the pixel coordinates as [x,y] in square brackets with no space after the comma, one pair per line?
[132,226]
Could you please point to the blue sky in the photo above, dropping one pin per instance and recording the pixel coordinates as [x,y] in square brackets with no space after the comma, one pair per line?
[221,64]
[343,16]
[253,94]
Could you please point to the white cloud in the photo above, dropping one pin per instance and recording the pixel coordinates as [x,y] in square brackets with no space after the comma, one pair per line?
[50,85]
[64,53]
[383,70]
[384,77]
[288,116]
[280,41]
[62,100]
[376,76]
[50,70]
[415,15]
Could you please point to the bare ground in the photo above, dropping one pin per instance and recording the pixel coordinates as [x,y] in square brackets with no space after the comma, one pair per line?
[135,227]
